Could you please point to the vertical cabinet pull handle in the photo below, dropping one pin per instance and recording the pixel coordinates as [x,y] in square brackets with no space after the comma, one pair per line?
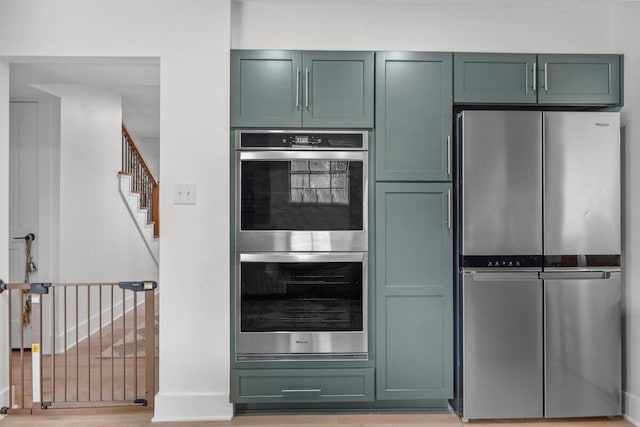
[535,76]
[546,81]
[449,209]
[306,88]
[448,154]
[298,88]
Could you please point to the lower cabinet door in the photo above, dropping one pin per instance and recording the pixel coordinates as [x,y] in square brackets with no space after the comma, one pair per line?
[414,291]
[302,385]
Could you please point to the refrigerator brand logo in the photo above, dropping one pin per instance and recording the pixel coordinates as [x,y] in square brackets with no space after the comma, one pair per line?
[602,125]
[302,342]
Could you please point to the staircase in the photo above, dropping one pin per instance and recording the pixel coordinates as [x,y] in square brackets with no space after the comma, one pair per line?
[139,190]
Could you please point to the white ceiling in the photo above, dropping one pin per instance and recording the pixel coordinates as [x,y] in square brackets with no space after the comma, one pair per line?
[136,80]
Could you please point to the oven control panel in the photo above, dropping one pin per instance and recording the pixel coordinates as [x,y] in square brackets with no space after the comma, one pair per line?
[302,140]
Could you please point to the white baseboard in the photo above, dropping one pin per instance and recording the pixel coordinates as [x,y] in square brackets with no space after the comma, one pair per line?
[631,408]
[172,407]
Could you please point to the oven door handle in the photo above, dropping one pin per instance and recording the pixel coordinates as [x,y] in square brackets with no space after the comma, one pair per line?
[303,257]
[303,155]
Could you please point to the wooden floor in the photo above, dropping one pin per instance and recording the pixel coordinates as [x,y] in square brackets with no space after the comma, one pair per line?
[142,419]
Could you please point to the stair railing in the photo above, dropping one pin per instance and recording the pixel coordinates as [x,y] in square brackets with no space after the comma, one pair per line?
[142,180]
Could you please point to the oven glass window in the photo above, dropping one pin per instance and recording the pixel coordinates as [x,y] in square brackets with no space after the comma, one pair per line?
[301,297]
[301,195]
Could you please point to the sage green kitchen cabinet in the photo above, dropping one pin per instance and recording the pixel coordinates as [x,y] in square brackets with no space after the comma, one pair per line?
[302,385]
[553,79]
[579,79]
[414,291]
[494,78]
[337,89]
[314,89]
[265,88]
[414,98]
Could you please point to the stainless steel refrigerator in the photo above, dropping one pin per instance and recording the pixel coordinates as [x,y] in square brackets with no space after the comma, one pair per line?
[538,323]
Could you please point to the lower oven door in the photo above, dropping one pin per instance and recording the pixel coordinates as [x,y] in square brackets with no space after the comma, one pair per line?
[301,304]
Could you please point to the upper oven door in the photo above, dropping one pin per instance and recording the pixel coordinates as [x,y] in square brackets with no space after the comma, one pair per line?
[301,200]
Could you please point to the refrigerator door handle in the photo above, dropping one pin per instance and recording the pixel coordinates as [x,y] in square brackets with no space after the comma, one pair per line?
[448,209]
[575,275]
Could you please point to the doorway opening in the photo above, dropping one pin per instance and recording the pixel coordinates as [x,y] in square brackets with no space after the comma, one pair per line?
[66,120]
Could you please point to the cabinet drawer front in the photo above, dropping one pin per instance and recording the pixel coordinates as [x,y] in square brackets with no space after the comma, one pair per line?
[302,385]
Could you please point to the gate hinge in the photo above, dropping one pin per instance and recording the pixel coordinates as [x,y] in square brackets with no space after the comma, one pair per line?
[141,286]
[3,287]
[4,410]
[45,405]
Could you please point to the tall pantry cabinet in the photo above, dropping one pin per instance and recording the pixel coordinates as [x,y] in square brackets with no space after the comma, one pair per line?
[413,231]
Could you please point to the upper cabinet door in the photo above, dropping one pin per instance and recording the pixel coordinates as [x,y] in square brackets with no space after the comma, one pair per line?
[337,89]
[265,88]
[579,79]
[494,78]
[413,116]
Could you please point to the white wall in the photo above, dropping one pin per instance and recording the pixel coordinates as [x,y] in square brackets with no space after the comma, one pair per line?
[91,210]
[4,226]
[628,41]
[377,26]
[191,37]
[150,150]
[48,186]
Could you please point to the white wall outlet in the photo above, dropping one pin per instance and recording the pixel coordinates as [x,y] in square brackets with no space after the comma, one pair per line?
[184,194]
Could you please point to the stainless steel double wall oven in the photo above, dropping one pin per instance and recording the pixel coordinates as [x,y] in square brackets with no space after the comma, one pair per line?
[301,210]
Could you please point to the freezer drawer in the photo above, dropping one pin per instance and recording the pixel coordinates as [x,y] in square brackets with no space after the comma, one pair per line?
[582,344]
[502,345]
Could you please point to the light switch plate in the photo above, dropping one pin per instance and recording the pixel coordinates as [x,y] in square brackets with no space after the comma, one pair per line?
[184,194]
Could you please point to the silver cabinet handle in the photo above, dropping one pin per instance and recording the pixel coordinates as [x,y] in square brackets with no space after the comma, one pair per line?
[449,209]
[535,76]
[298,88]
[546,80]
[575,275]
[448,154]
[306,88]
[304,390]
